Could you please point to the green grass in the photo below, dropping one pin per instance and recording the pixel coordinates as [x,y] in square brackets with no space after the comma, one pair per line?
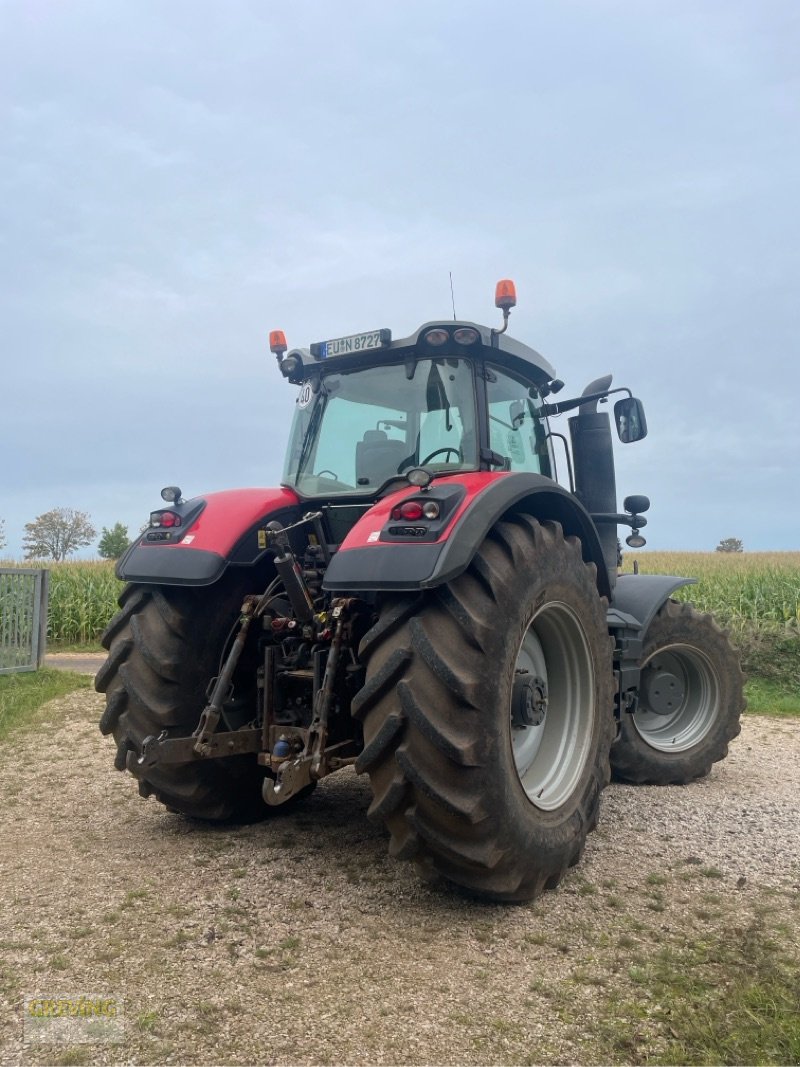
[22,696]
[731,997]
[765,697]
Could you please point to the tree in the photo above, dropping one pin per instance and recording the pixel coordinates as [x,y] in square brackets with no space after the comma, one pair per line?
[113,542]
[57,534]
[2,533]
[730,544]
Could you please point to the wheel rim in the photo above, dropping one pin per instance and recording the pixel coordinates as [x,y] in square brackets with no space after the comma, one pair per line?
[679,699]
[550,755]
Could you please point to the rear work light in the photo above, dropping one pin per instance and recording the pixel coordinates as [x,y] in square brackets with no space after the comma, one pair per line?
[437,337]
[465,335]
[419,476]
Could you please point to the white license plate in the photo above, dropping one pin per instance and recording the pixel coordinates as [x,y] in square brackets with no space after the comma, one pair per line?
[356,342]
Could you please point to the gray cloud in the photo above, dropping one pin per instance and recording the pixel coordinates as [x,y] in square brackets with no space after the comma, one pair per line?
[177,179]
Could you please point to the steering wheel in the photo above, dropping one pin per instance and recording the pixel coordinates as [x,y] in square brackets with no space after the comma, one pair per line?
[326,471]
[438,451]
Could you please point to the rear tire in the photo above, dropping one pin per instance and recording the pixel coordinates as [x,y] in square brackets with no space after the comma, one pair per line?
[501,810]
[164,646]
[690,701]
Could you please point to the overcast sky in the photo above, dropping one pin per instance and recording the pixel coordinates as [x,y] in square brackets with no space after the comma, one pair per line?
[178,178]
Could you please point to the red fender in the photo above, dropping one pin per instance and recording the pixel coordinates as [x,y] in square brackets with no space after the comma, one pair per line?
[368,530]
[217,529]
[386,553]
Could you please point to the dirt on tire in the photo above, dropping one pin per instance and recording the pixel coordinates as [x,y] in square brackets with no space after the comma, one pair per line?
[439,744]
[163,646]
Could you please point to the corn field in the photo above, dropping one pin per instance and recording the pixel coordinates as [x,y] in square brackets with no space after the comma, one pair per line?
[756,595]
[83,597]
[741,589]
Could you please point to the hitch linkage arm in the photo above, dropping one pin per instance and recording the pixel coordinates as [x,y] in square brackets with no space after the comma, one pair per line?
[222,687]
[204,742]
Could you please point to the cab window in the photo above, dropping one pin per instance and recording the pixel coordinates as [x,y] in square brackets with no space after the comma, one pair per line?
[516,430]
[355,431]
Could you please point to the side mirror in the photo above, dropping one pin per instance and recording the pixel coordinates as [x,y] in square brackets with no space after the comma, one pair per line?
[630,419]
[636,505]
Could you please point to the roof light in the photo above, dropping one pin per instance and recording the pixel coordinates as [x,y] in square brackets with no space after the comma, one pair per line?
[465,335]
[291,366]
[277,342]
[170,519]
[171,493]
[430,509]
[437,337]
[505,294]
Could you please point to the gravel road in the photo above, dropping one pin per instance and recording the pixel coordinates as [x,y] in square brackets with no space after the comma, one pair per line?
[79,662]
[298,941]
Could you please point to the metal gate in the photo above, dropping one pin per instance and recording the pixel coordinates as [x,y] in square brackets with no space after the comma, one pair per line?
[23,618]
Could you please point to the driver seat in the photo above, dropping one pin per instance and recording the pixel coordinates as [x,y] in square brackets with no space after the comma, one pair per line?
[377,458]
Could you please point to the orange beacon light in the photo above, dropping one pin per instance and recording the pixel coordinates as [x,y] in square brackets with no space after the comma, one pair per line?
[505,295]
[277,342]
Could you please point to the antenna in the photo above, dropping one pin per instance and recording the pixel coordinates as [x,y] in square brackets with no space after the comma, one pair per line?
[452,296]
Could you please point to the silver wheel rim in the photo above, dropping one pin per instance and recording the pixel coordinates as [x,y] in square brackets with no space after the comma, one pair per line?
[684,719]
[550,757]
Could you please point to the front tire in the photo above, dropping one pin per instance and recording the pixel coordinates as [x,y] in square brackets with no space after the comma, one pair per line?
[487,714]
[690,701]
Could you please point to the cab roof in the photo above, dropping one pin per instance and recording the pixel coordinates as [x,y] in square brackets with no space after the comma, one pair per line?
[489,345]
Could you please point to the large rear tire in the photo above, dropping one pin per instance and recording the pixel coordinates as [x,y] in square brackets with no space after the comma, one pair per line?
[690,701]
[487,714]
[164,646]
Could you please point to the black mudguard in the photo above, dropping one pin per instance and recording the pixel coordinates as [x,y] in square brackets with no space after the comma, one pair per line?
[637,598]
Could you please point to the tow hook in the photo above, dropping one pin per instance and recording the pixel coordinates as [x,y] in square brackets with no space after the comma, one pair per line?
[528,700]
[292,776]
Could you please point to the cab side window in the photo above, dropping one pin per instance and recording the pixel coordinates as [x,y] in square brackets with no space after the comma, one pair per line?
[515,428]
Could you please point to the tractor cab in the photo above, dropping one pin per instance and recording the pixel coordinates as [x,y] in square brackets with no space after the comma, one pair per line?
[358,429]
[453,397]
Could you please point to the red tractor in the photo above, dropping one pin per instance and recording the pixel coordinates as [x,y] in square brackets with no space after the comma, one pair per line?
[422,600]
